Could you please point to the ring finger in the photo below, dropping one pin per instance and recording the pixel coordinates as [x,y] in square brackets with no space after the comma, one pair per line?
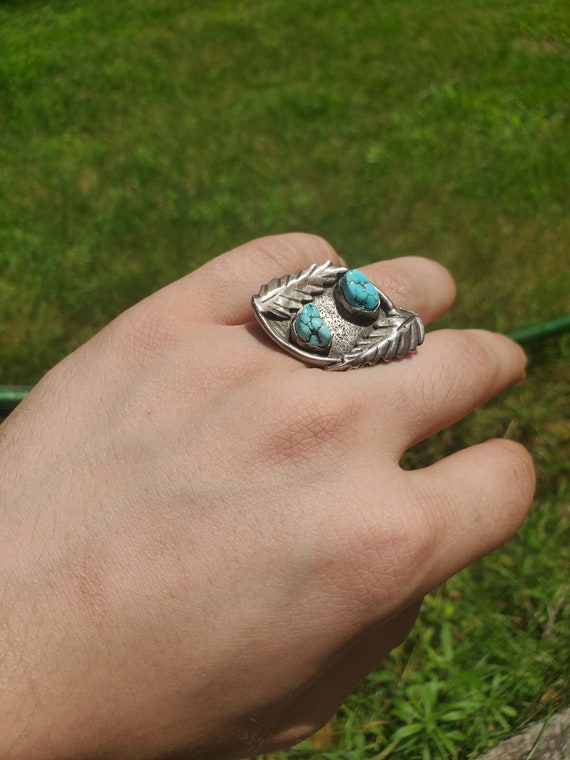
[453,373]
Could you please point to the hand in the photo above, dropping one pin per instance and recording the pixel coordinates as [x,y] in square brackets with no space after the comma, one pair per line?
[205,545]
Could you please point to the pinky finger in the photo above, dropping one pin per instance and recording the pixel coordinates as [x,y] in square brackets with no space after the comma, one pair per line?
[473,501]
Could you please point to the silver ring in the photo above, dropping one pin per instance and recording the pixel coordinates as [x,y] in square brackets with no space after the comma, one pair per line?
[335,318]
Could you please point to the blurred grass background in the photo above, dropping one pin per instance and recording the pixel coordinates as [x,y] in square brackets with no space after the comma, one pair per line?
[140,138]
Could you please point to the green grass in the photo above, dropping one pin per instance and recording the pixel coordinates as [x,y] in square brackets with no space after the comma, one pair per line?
[138,139]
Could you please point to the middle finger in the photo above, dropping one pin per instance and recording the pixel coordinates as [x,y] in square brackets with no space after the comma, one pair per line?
[416,283]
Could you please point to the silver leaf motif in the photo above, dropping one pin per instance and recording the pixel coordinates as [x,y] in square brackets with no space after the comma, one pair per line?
[285,295]
[392,337]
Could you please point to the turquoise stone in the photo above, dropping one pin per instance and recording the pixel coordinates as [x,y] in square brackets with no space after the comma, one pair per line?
[311,329]
[358,291]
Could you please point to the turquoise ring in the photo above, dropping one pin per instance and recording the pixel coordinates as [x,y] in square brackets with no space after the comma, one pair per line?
[335,318]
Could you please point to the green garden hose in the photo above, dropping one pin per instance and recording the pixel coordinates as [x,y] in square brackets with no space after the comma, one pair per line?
[11,395]
[545,330]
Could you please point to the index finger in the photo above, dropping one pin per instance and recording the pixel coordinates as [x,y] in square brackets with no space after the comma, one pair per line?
[221,290]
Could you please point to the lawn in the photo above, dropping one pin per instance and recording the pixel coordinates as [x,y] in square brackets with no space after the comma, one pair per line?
[140,138]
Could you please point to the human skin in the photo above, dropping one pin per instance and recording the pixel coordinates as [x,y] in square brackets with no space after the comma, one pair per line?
[205,544]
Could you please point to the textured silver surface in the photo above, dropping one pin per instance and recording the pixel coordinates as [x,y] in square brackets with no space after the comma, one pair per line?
[393,334]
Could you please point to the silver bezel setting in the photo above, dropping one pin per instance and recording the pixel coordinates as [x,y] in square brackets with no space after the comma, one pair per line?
[354,313]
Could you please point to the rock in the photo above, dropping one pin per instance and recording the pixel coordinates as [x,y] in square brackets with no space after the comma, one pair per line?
[554,744]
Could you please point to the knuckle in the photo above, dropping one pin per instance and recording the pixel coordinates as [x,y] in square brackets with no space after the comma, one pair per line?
[148,329]
[382,551]
[316,244]
[412,547]
[397,283]
[433,383]
[411,281]
[470,366]
[304,422]
[427,528]
[475,356]
[300,730]
[295,249]
[519,473]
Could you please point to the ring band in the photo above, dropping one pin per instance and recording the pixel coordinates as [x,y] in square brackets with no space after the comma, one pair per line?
[335,318]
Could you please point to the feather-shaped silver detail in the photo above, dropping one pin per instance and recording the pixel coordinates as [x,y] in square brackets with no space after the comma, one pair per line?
[285,295]
[393,336]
